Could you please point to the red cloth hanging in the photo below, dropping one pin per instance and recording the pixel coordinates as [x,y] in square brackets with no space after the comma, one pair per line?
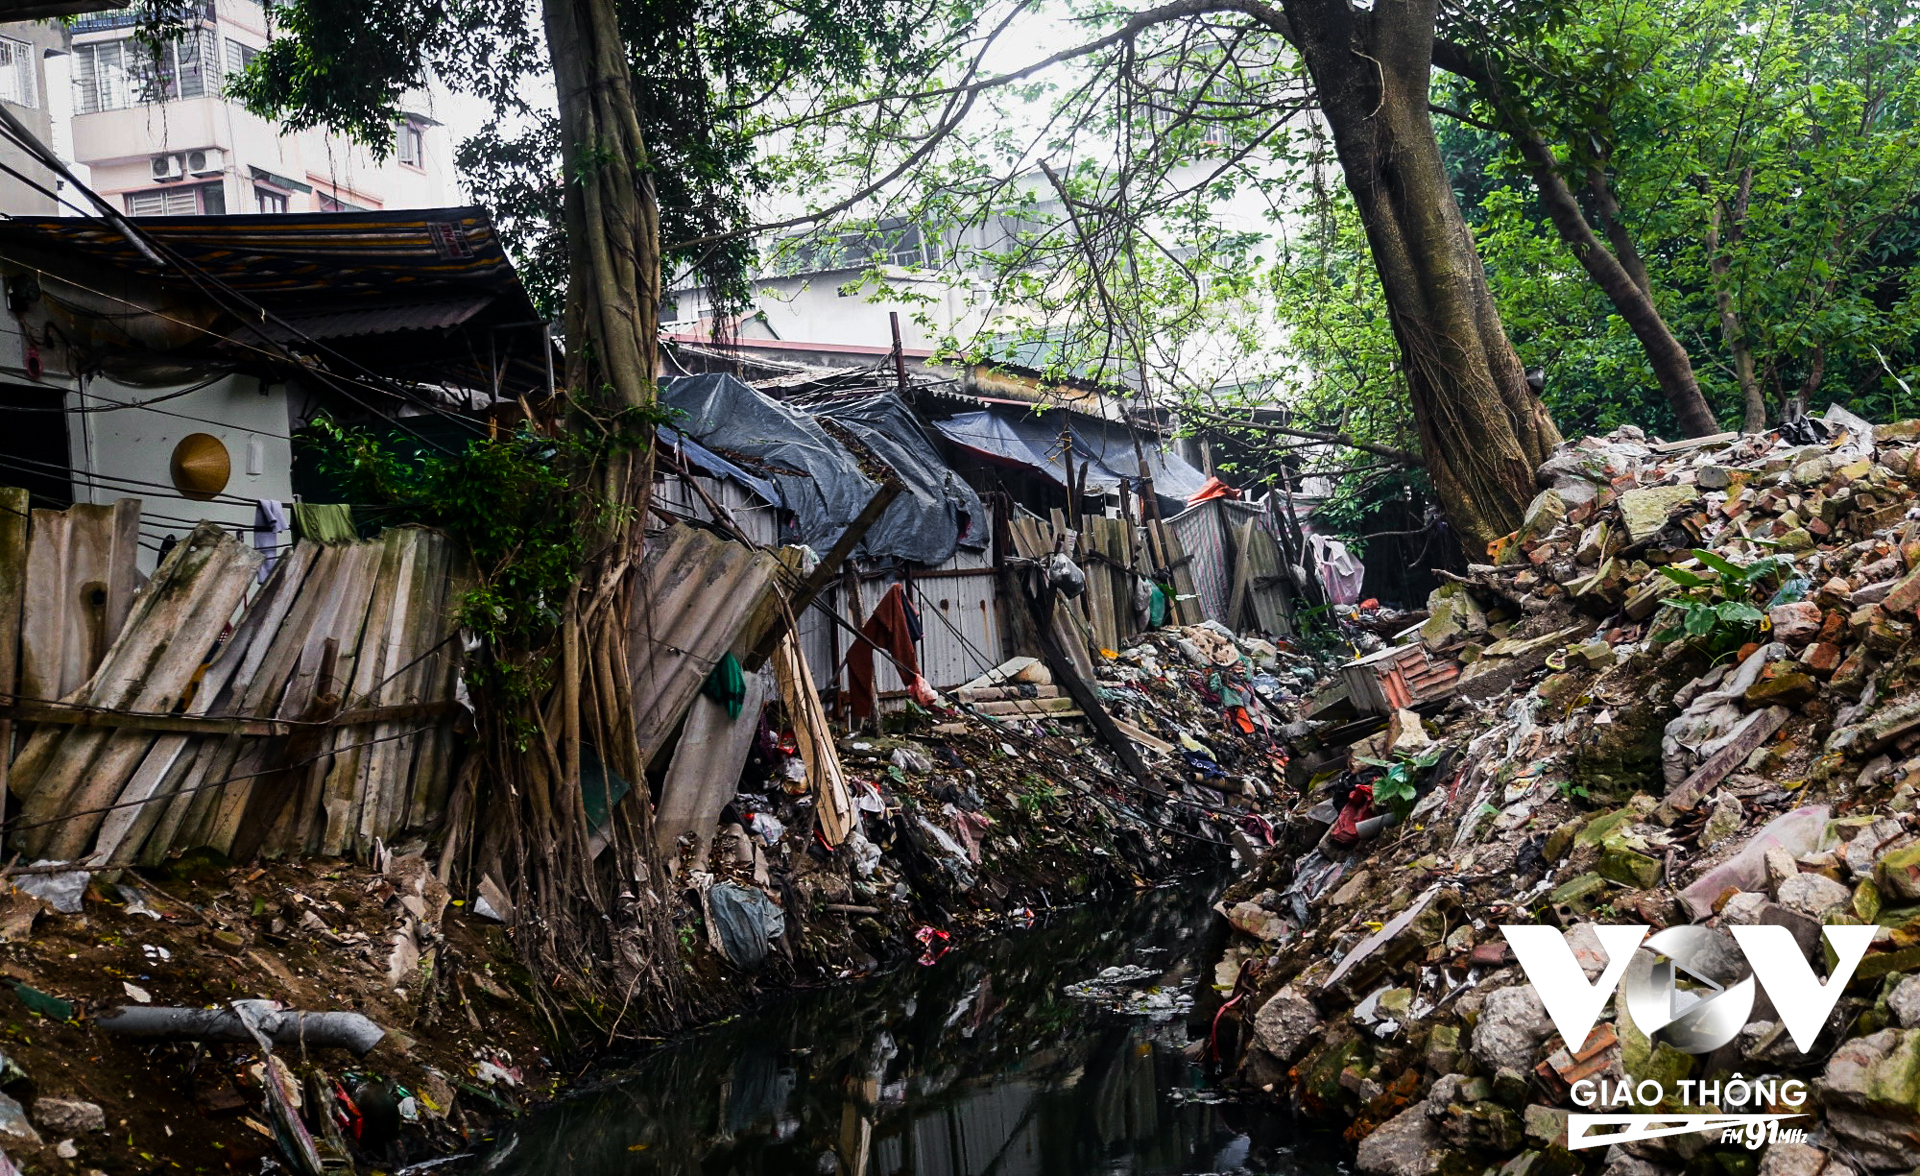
[1214,488]
[891,629]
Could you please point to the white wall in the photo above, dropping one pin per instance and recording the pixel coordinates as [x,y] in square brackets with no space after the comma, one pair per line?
[137,445]
[118,145]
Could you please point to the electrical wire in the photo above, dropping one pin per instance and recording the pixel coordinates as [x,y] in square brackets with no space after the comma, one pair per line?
[106,481]
[147,406]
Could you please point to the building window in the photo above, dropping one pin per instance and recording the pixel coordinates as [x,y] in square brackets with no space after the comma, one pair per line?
[265,200]
[16,73]
[410,143]
[209,199]
[239,56]
[335,204]
[113,75]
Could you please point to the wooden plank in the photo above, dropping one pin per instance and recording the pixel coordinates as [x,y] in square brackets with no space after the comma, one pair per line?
[374,776]
[345,623]
[261,674]
[416,633]
[1720,764]
[296,761]
[832,803]
[342,789]
[1067,675]
[1025,706]
[80,585]
[173,627]
[43,626]
[72,715]
[433,771]
[1239,602]
[1120,555]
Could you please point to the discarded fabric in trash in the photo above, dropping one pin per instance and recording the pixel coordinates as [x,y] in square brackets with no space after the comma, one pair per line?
[1800,832]
[62,892]
[1715,718]
[767,827]
[934,942]
[742,921]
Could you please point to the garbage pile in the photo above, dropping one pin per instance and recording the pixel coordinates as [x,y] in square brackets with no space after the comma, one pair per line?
[1684,693]
[263,1014]
[1002,801]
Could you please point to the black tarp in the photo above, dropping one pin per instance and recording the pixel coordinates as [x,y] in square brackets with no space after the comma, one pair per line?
[819,479]
[888,428]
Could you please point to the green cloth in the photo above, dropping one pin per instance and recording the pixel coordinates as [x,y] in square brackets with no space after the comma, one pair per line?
[727,685]
[324,522]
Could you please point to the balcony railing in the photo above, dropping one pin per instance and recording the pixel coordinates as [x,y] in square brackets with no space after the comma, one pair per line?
[102,21]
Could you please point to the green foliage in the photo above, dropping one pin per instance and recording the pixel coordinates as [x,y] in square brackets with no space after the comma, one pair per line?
[1793,124]
[516,507]
[1715,610]
[1036,795]
[1397,787]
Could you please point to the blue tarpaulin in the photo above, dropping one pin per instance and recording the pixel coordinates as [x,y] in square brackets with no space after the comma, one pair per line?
[701,457]
[1033,439]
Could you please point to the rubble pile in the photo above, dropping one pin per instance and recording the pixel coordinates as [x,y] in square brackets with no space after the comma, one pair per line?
[1687,693]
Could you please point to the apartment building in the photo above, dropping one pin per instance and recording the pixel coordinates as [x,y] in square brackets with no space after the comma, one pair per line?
[33,58]
[159,137]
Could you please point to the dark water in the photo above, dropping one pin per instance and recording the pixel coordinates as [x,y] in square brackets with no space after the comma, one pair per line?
[977,1065]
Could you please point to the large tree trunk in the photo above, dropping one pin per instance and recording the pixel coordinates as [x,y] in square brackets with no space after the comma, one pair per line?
[590,946]
[1628,292]
[1482,431]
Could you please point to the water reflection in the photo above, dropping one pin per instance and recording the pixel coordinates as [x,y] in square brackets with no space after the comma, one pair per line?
[978,1065]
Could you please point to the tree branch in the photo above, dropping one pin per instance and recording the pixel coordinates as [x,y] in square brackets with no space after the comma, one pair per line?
[1401,456]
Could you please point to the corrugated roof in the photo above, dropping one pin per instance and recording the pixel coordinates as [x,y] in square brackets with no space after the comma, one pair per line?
[378,320]
[375,279]
[699,594]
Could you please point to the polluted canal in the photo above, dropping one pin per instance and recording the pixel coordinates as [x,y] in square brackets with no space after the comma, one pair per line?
[1076,1046]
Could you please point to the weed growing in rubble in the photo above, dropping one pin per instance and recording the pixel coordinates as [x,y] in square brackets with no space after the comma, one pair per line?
[1716,611]
[1398,788]
[1035,795]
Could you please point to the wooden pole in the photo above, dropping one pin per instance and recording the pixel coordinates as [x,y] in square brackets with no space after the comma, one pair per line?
[823,575]
[899,353]
[1084,695]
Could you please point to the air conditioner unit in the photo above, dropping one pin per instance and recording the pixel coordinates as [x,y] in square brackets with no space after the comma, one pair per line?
[206,161]
[166,167]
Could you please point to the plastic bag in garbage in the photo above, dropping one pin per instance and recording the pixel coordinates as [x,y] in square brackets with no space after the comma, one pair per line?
[767,827]
[62,892]
[742,921]
[1065,575]
[866,855]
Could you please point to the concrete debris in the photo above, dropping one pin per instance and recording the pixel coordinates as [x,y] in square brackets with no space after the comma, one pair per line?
[1686,692]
